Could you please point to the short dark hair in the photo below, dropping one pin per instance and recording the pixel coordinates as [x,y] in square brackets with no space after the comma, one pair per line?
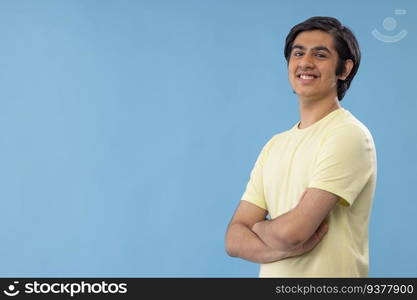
[345,43]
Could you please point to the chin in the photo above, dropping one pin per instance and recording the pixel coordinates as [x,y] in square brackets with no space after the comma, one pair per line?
[306,94]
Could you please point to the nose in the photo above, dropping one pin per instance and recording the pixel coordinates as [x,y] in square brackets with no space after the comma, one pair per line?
[305,62]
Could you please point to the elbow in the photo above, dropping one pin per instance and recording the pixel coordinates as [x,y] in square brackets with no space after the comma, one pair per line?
[231,251]
[230,248]
[231,241]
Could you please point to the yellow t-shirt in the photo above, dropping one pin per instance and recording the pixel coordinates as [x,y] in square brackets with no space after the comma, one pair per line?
[336,154]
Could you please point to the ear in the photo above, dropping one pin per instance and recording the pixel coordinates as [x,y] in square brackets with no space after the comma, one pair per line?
[347,69]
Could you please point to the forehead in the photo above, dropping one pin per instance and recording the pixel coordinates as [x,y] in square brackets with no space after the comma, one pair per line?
[314,38]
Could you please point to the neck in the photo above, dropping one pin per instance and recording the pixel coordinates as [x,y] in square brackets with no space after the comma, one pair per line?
[312,111]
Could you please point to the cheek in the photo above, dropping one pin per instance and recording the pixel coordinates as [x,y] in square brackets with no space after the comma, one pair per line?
[330,79]
[291,72]
[291,67]
[292,79]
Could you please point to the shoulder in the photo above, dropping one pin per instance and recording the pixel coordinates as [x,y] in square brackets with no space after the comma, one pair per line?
[348,129]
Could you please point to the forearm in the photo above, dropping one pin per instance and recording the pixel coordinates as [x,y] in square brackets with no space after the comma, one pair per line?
[293,228]
[275,233]
[242,242]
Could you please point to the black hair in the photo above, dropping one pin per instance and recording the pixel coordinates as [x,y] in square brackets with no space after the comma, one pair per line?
[345,43]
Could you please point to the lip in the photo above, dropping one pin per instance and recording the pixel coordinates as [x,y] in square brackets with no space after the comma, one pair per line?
[307,81]
[315,75]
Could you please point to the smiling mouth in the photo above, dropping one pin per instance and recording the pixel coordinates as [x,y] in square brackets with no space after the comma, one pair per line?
[306,77]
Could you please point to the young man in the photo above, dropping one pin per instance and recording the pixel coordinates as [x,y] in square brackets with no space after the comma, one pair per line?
[316,180]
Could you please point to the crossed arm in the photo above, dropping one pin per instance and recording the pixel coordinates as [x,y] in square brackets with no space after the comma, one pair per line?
[296,232]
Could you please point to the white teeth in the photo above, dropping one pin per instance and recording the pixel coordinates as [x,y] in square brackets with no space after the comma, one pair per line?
[306,77]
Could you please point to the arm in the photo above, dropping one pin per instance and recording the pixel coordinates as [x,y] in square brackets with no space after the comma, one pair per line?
[242,242]
[300,224]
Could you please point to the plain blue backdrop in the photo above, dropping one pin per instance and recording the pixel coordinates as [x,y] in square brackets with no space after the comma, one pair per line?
[128,130]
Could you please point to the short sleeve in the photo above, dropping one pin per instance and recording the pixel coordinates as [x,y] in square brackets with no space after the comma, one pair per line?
[345,163]
[254,192]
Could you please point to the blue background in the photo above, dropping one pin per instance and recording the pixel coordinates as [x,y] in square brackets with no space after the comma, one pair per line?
[128,130]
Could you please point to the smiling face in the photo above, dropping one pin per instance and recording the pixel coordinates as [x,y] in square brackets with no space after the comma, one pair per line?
[312,66]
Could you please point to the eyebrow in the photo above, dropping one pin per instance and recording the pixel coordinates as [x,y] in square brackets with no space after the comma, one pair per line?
[317,48]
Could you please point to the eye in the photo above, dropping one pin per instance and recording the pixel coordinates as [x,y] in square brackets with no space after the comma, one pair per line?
[297,53]
[320,55]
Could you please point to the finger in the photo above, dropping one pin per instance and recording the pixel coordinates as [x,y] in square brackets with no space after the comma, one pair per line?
[315,238]
[323,228]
